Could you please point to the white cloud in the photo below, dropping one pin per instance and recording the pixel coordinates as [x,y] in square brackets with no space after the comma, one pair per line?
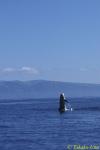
[29,70]
[24,70]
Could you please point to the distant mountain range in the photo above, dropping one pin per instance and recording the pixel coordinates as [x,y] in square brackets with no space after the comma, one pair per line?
[46,89]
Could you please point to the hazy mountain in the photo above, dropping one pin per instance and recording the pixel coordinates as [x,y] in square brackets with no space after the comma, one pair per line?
[46,89]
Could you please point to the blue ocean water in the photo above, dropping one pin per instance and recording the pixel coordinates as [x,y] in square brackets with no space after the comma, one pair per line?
[37,124]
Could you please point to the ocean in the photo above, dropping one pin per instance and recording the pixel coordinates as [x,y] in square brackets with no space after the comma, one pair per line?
[37,125]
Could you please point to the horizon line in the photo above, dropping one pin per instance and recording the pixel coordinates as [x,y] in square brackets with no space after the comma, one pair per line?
[74,82]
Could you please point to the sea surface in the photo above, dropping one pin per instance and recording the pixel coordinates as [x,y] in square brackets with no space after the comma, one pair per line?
[37,124]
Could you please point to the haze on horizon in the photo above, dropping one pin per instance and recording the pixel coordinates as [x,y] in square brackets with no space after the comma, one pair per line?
[52,40]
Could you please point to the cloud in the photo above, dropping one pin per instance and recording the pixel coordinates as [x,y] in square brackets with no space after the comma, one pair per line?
[29,70]
[24,70]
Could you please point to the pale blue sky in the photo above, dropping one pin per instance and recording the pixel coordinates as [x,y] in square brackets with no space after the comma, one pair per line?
[50,39]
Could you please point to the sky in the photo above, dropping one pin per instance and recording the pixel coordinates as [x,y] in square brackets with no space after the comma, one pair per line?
[50,39]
